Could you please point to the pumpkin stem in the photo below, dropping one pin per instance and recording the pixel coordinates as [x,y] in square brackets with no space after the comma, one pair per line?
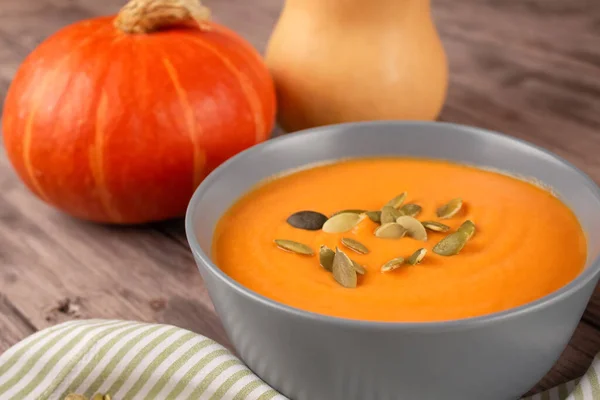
[146,16]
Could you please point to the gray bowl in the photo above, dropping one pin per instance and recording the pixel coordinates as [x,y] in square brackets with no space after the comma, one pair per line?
[308,356]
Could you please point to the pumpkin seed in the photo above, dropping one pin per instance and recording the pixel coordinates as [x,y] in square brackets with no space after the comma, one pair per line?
[342,222]
[374,216]
[392,264]
[343,270]
[389,214]
[350,210]
[326,258]
[355,245]
[451,244]
[397,201]
[417,257]
[468,227]
[358,268]
[413,227]
[74,396]
[99,396]
[435,226]
[450,209]
[391,230]
[294,247]
[307,220]
[412,210]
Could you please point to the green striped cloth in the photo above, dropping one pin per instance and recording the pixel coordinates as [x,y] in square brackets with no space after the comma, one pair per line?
[128,360]
[132,360]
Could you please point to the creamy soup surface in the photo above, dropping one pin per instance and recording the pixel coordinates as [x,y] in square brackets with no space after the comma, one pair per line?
[527,242]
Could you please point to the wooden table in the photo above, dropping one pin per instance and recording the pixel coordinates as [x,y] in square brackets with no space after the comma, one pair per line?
[529,68]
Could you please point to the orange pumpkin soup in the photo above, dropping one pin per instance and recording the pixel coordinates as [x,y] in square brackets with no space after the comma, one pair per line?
[527,243]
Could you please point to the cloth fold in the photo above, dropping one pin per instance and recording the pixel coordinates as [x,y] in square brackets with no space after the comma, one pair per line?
[133,360]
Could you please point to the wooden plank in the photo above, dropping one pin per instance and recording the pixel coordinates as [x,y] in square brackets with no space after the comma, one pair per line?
[107,272]
[9,62]
[29,25]
[13,325]
[540,82]
[592,313]
[15,9]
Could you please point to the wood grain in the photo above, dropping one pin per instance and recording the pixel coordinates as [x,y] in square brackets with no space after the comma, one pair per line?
[14,326]
[529,68]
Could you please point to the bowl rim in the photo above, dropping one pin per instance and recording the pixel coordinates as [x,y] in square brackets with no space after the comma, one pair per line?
[565,291]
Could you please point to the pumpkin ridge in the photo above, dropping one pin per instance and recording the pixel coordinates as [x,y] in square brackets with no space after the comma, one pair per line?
[28,131]
[190,121]
[248,89]
[250,56]
[97,160]
[27,134]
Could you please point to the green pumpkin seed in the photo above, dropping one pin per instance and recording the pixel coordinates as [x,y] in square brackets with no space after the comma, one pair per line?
[451,244]
[417,257]
[374,216]
[307,220]
[435,226]
[391,230]
[392,264]
[450,209]
[343,270]
[342,222]
[74,396]
[326,258]
[467,227]
[350,210]
[412,210]
[355,245]
[358,268]
[413,227]
[294,247]
[389,214]
[397,201]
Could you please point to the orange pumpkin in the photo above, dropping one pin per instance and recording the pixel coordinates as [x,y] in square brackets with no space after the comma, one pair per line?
[119,120]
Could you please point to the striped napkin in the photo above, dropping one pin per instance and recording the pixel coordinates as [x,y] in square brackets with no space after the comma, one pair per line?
[132,360]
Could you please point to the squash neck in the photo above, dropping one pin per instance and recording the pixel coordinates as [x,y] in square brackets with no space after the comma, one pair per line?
[371,10]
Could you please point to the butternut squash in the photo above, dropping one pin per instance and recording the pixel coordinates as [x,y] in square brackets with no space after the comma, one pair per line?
[353,60]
